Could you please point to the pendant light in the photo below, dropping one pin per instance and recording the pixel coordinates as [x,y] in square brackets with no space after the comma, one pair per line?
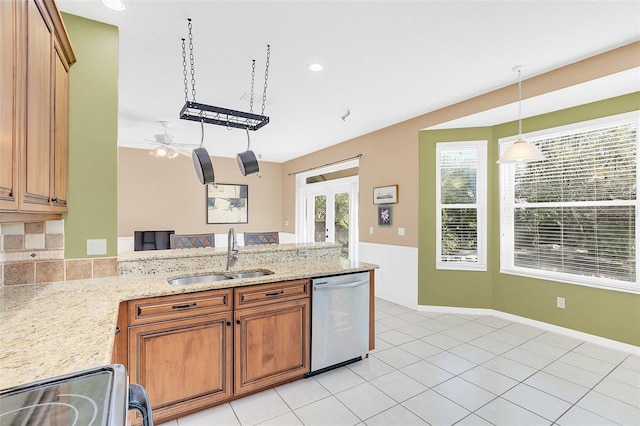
[520,151]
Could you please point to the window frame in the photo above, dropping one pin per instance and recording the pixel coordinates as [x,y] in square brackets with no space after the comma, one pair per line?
[507,206]
[480,148]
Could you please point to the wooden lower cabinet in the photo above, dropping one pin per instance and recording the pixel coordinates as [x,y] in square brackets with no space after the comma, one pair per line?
[271,344]
[184,365]
[194,351]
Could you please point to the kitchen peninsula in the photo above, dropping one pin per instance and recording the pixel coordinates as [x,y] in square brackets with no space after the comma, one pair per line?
[56,328]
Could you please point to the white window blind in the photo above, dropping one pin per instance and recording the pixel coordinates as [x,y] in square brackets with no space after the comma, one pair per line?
[573,216]
[461,176]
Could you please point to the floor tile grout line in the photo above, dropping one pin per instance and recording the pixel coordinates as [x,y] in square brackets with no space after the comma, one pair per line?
[592,389]
[498,396]
[554,359]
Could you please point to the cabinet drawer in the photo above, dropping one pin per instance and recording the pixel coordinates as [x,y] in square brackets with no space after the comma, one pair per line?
[179,306]
[264,294]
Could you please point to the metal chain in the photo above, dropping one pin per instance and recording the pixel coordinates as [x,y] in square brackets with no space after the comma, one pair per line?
[193,71]
[266,79]
[184,72]
[253,76]
[519,106]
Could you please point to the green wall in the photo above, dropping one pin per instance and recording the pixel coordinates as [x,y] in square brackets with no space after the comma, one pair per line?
[607,313]
[93,132]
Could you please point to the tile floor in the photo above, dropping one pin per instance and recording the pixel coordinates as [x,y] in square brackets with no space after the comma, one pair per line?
[450,369]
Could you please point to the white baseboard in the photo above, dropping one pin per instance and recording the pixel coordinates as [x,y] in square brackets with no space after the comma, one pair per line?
[598,340]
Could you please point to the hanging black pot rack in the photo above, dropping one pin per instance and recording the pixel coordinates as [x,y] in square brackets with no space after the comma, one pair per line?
[204,113]
[195,111]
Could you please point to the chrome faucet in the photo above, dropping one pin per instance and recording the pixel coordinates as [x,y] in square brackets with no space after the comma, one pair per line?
[232,249]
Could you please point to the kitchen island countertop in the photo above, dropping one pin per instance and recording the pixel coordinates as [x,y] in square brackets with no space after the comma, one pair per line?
[58,328]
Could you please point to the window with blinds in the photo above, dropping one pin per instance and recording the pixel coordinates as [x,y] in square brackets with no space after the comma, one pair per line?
[573,216]
[461,201]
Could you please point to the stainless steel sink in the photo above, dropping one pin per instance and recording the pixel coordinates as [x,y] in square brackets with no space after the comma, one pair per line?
[194,279]
[251,274]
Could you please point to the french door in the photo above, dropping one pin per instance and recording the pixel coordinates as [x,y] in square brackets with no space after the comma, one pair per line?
[327,212]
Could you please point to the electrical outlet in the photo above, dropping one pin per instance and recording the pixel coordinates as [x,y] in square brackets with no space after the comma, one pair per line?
[560,302]
[96,247]
[401,232]
[371,229]
[303,253]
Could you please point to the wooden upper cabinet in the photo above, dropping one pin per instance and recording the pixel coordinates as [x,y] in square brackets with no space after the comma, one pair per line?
[9,54]
[39,114]
[60,157]
[35,107]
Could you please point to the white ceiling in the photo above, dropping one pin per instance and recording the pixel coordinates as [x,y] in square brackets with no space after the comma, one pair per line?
[385,62]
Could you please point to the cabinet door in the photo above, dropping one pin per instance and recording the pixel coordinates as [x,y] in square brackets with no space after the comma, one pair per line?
[9,114]
[184,365]
[271,344]
[60,176]
[37,143]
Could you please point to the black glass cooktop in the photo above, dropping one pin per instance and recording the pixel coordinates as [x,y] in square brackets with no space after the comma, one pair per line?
[89,398]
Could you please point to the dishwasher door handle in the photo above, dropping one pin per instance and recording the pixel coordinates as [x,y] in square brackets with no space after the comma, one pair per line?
[325,286]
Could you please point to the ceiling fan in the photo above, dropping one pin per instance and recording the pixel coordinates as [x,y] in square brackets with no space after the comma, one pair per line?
[167,147]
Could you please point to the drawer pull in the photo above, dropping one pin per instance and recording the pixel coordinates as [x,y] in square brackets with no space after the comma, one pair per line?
[188,305]
[274,293]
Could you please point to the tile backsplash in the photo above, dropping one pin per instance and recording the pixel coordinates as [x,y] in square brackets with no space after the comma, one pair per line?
[34,253]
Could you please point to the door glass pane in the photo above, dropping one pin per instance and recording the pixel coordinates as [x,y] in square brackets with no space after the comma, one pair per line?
[320,215]
[341,221]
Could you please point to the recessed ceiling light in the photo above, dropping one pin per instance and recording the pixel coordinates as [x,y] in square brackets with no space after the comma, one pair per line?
[114,4]
[316,67]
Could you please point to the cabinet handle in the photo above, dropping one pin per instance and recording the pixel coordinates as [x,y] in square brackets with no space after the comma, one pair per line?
[188,305]
[275,293]
[117,330]
[228,323]
[54,200]
[238,322]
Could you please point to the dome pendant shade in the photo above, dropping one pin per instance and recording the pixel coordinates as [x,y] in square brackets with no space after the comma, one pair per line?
[520,151]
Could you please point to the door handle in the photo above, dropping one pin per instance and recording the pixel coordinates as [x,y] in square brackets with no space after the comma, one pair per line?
[187,305]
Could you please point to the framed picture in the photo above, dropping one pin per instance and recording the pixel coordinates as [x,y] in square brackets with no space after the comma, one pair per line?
[227,203]
[385,194]
[384,215]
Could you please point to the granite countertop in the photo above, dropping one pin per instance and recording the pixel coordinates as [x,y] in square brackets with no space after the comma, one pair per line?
[58,328]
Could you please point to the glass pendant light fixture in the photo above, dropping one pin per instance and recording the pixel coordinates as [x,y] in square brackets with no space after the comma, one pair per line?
[520,151]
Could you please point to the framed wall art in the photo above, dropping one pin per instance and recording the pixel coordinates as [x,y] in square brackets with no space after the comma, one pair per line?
[384,215]
[385,194]
[227,203]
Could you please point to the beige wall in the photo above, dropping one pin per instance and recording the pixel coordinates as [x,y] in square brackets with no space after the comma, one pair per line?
[155,193]
[391,154]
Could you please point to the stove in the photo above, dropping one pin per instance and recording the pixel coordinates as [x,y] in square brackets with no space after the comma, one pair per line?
[95,397]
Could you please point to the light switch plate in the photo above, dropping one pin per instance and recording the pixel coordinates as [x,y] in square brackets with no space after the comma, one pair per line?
[401,232]
[371,229]
[560,302]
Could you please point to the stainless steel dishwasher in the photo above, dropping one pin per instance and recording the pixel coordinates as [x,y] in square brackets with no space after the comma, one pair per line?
[340,320]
